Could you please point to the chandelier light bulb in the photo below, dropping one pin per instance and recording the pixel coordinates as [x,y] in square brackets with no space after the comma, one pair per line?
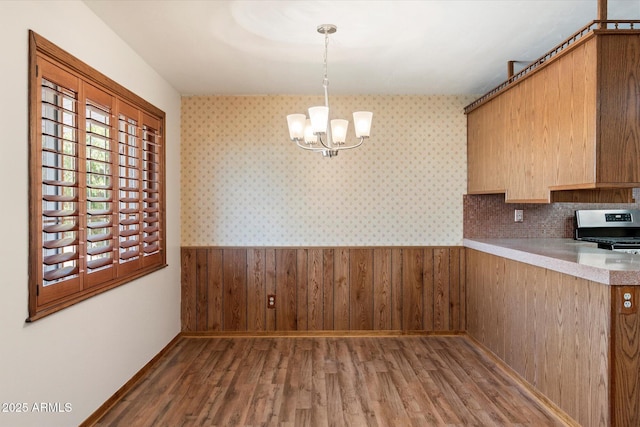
[309,136]
[339,130]
[362,123]
[296,124]
[319,117]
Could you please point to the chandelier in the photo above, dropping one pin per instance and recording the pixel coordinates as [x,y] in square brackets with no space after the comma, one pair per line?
[314,133]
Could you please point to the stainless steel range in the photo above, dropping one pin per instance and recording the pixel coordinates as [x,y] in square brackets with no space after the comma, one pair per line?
[613,229]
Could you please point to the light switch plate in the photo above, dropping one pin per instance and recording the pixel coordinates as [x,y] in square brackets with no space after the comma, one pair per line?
[518,215]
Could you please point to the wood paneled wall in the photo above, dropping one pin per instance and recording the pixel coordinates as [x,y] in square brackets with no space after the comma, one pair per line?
[323,289]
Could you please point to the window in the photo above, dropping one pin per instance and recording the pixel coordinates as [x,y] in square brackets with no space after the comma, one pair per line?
[96,185]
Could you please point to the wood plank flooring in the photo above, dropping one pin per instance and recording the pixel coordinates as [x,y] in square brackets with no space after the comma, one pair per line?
[327,381]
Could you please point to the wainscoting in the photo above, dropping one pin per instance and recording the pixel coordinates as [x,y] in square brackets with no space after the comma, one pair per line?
[323,289]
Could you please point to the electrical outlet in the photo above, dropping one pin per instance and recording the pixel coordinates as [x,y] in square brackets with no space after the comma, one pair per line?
[627,298]
[271,301]
[518,215]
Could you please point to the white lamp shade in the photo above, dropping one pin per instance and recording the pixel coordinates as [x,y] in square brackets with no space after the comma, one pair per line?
[309,136]
[362,123]
[296,124]
[319,117]
[339,130]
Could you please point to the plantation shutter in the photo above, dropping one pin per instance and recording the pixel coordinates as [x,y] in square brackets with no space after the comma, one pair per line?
[151,185]
[59,170]
[99,186]
[130,183]
[96,172]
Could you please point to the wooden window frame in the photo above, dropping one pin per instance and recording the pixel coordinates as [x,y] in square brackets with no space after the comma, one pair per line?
[122,116]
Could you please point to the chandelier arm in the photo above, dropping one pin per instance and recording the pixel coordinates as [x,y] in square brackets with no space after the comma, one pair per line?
[349,147]
[323,143]
[306,147]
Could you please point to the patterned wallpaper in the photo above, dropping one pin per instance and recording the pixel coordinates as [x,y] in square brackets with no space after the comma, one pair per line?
[244,183]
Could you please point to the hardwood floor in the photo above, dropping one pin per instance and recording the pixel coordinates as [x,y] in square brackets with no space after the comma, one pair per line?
[327,381]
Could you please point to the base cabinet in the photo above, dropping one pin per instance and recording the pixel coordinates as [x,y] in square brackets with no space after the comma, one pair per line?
[570,338]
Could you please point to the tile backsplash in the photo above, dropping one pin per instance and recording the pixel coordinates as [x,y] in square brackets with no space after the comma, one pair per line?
[488,216]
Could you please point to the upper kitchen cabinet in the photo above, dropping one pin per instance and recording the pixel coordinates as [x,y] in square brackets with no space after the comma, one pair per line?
[567,127]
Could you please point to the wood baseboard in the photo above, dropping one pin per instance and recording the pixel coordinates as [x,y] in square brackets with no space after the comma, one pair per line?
[108,404]
[314,334]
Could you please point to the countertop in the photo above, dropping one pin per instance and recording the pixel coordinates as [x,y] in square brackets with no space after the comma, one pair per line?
[573,257]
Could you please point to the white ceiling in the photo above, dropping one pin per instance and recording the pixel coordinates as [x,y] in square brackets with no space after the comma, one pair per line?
[236,47]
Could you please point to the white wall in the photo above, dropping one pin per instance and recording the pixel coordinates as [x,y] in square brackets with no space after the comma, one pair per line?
[83,354]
